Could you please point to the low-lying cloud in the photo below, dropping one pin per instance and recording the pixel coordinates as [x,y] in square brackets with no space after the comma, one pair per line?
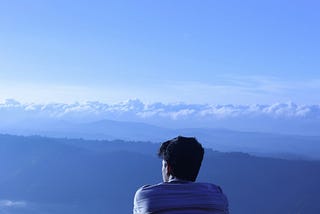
[289,117]
[172,111]
[10,203]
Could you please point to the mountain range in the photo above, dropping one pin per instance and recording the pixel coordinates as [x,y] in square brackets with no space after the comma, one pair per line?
[262,144]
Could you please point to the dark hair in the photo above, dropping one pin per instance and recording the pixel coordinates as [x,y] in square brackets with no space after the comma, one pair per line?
[184,155]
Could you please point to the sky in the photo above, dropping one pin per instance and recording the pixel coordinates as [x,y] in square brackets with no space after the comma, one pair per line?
[214,52]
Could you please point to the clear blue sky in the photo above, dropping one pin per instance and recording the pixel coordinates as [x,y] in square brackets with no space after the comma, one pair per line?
[168,51]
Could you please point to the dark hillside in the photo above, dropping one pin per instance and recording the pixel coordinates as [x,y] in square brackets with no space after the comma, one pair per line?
[78,176]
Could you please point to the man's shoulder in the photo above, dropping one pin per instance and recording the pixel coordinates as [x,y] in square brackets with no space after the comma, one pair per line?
[210,186]
[144,196]
[171,187]
[147,189]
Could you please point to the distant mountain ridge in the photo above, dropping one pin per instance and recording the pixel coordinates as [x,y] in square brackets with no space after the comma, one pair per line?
[262,144]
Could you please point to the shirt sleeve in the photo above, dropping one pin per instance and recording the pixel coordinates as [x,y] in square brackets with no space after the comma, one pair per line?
[135,203]
[139,201]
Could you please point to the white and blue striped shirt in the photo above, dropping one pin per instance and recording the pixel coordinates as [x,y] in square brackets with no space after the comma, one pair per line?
[177,197]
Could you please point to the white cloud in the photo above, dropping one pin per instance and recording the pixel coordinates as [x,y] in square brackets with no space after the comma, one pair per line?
[289,117]
[10,203]
[137,109]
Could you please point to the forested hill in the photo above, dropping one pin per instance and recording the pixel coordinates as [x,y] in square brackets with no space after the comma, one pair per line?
[73,176]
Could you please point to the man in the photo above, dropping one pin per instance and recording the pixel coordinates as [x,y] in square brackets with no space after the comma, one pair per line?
[179,193]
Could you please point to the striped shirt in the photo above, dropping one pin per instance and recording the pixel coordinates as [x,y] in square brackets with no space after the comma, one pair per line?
[177,197]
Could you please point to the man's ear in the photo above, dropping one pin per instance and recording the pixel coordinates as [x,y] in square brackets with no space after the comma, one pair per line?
[168,169]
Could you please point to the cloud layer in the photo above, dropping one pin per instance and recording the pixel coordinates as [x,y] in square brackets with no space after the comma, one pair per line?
[176,111]
[287,116]
[10,203]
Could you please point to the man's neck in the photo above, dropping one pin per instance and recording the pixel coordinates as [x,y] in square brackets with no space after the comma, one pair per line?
[178,180]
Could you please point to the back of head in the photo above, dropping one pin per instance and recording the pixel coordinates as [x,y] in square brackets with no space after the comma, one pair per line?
[184,155]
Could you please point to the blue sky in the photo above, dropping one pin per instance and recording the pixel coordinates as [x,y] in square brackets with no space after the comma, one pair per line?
[239,52]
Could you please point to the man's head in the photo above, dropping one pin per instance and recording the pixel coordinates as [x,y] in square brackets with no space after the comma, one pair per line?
[182,157]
